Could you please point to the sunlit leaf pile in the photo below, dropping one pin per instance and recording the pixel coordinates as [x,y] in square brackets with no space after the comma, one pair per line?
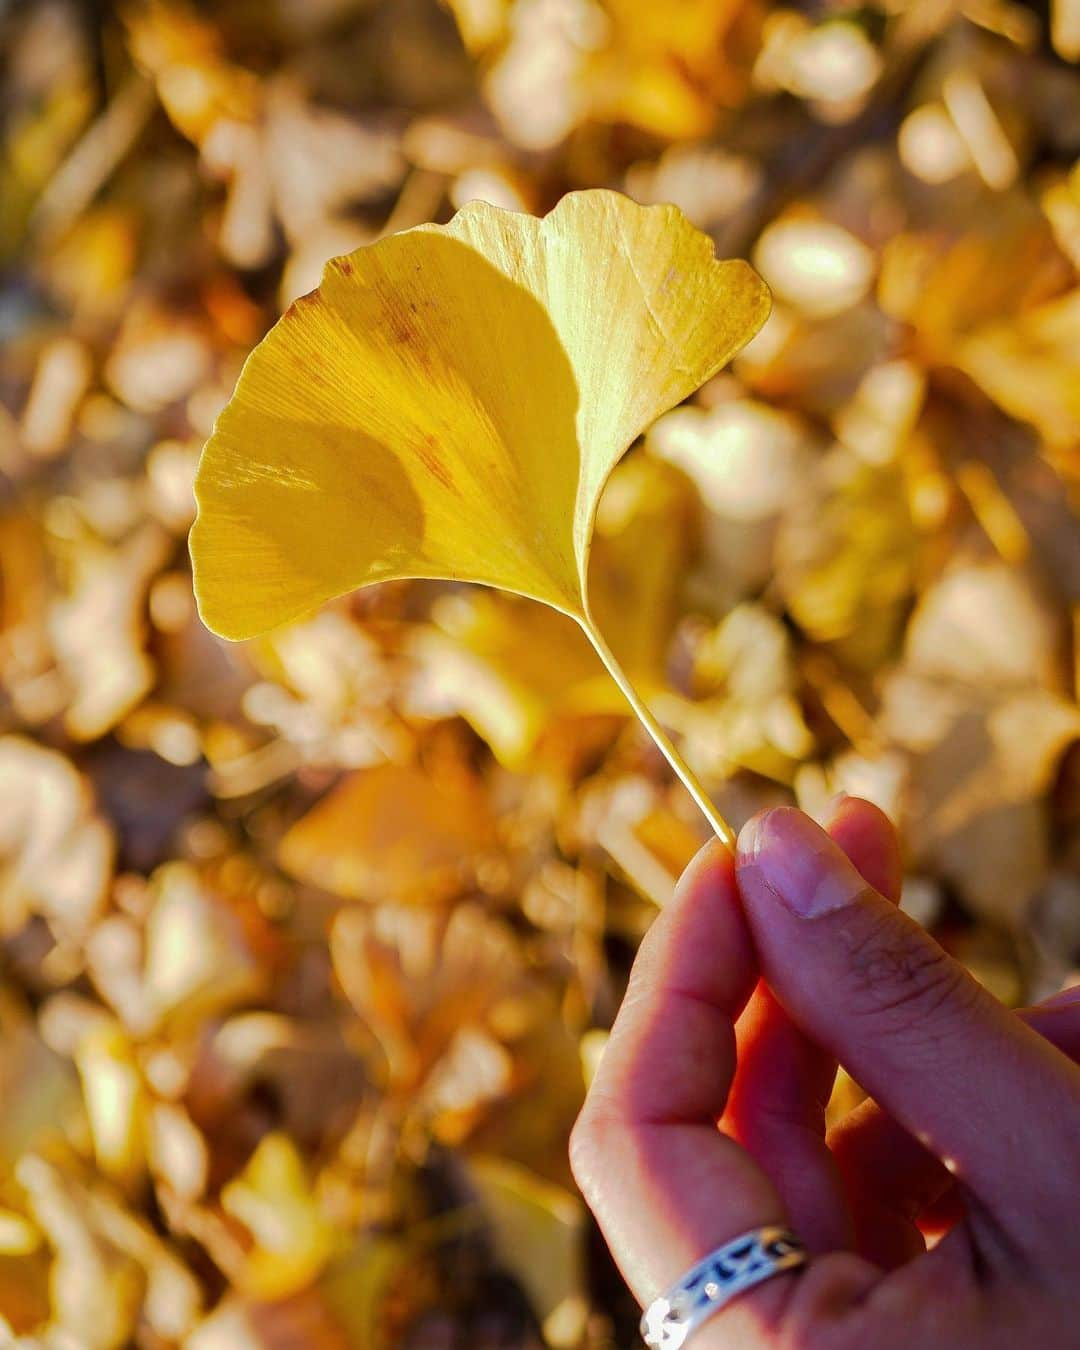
[309,941]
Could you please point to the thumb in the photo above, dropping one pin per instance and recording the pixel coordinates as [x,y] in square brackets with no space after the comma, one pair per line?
[867,983]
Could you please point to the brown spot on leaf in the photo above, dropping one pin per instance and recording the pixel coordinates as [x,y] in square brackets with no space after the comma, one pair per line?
[346,267]
[404,333]
[428,452]
[310,298]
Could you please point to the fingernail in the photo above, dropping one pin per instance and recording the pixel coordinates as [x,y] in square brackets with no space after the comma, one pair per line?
[797,863]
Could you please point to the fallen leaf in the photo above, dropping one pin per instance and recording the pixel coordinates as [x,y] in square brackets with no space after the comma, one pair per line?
[477,659]
[116,1102]
[541,1228]
[200,961]
[845,557]
[393,833]
[1028,365]
[428,984]
[96,1288]
[56,853]
[98,629]
[273,1199]
[978,707]
[750,464]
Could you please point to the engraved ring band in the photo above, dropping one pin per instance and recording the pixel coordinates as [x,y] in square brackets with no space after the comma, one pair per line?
[715,1280]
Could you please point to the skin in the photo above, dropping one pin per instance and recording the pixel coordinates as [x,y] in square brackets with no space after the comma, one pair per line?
[706,1116]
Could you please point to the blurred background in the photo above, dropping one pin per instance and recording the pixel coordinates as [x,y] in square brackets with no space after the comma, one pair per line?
[308,946]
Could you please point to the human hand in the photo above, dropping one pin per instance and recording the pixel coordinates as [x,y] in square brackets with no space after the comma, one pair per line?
[706,1117]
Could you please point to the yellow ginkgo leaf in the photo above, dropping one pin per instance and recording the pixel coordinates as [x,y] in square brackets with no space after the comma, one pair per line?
[449,404]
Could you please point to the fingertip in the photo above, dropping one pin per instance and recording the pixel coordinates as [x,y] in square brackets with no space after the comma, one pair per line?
[858,814]
[704,916]
[751,838]
[1057,1020]
[1065,999]
[700,941]
[859,829]
[784,856]
[866,834]
[713,864]
[778,829]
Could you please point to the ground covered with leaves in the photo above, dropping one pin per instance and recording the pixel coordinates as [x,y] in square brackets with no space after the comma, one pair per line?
[308,944]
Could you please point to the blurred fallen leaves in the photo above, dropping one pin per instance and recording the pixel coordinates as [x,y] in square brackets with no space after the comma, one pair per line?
[309,944]
[56,852]
[394,833]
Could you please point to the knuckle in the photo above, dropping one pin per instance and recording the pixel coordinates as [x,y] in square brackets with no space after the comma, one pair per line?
[900,979]
[822,1313]
[589,1143]
[582,1149]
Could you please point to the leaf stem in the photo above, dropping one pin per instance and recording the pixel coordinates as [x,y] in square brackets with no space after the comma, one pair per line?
[656,731]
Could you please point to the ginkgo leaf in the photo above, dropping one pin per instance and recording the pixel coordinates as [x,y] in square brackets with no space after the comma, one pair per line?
[449,404]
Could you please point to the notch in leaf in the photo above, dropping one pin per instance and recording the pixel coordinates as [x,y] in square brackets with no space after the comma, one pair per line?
[449,404]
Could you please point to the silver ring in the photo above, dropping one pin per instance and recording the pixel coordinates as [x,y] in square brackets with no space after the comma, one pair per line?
[729,1270]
